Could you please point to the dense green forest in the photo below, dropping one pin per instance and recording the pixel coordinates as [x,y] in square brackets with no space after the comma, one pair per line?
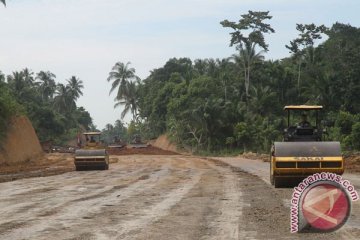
[237,102]
[50,106]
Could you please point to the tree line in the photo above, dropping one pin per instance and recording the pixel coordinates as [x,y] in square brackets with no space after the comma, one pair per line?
[237,102]
[50,106]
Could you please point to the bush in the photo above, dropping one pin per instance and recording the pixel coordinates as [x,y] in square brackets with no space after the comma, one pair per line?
[8,108]
[345,121]
[355,136]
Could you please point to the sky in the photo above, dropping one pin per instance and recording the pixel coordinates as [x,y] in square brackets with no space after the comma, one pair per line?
[86,38]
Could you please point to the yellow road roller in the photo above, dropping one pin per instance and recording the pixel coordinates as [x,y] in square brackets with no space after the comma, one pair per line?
[93,155]
[303,150]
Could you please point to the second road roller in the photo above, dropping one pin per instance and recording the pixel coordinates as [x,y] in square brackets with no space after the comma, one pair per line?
[93,155]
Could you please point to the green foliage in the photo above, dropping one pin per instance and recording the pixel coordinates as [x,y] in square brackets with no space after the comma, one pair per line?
[116,131]
[50,107]
[307,36]
[253,21]
[345,121]
[8,108]
[203,105]
[355,136]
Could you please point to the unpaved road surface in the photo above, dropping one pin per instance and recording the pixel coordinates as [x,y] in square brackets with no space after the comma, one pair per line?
[152,197]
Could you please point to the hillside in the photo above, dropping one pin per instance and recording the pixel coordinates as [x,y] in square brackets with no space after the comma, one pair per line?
[21,143]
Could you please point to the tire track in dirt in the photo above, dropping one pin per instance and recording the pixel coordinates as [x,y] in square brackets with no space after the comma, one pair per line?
[141,209]
[159,210]
[26,208]
[71,211]
[202,213]
[226,224]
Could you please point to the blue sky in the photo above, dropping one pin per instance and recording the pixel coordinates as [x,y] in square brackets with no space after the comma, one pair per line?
[86,37]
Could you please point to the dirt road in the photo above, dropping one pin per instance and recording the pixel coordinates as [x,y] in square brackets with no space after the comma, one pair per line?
[152,197]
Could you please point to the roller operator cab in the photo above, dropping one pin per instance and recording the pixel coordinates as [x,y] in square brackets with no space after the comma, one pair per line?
[303,151]
[92,155]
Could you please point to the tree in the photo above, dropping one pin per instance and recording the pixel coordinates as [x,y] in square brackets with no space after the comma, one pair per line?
[306,40]
[109,127]
[18,85]
[46,84]
[246,45]
[75,85]
[28,76]
[63,101]
[2,77]
[246,58]
[83,117]
[129,101]
[121,74]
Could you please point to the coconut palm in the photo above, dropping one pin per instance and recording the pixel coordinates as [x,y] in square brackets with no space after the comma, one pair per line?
[109,127]
[129,101]
[46,84]
[28,76]
[63,101]
[75,85]
[121,75]
[17,83]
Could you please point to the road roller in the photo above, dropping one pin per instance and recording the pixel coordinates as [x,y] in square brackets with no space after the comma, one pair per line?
[93,155]
[303,150]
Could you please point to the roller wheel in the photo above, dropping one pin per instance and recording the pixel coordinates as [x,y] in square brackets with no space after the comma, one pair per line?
[78,168]
[278,182]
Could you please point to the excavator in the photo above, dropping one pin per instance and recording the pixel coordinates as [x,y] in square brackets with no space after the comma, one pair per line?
[303,150]
[93,155]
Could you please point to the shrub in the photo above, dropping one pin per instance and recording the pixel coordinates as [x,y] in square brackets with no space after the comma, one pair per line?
[355,136]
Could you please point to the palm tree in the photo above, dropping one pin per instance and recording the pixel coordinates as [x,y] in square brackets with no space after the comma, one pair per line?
[28,76]
[247,57]
[2,77]
[129,101]
[119,124]
[47,84]
[63,100]
[121,74]
[109,127]
[75,85]
[17,83]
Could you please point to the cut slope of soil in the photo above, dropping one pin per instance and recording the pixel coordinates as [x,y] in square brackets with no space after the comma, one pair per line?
[21,143]
[164,143]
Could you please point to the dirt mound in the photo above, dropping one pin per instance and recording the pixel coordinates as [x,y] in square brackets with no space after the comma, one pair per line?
[164,143]
[255,156]
[150,150]
[352,163]
[21,143]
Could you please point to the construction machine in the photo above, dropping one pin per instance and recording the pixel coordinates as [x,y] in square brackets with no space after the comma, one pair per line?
[303,150]
[93,155]
[117,143]
[137,142]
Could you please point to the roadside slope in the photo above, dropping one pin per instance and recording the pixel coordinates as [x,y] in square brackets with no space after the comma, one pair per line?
[21,143]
